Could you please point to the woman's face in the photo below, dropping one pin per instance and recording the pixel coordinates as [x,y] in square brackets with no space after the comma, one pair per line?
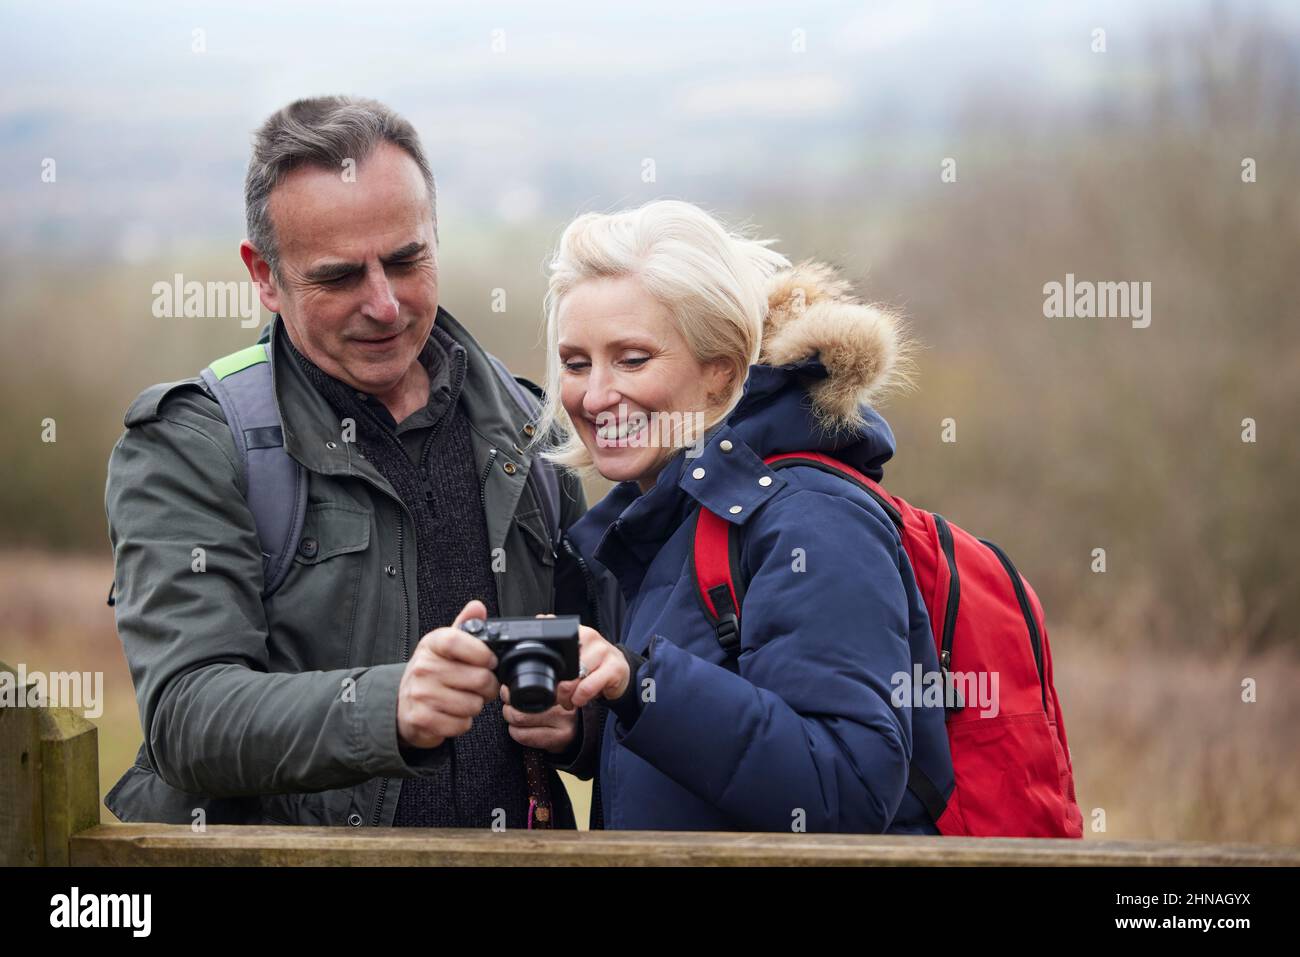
[627,377]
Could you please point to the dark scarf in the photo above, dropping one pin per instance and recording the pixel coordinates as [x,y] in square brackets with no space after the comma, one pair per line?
[486,769]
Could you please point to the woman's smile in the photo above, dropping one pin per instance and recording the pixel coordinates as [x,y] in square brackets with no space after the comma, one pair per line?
[626,370]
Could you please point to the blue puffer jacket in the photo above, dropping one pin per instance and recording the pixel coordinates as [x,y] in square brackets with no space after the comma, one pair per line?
[804,734]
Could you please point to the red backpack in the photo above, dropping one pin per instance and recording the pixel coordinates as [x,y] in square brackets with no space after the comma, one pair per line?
[1014,776]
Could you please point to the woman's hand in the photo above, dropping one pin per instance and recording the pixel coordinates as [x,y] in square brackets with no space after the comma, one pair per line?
[607,673]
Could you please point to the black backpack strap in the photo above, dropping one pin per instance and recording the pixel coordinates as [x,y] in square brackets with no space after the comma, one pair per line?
[277,485]
[932,799]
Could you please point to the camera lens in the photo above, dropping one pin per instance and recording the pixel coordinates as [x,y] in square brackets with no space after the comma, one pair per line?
[529,672]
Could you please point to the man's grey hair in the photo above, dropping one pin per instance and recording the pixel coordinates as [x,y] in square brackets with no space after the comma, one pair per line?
[322,131]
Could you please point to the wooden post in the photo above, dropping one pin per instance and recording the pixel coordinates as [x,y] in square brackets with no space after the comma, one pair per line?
[22,841]
[49,781]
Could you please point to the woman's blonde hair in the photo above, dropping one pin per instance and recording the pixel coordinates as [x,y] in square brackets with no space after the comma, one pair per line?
[712,282]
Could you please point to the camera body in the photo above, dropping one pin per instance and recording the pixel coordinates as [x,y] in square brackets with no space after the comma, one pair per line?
[533,655]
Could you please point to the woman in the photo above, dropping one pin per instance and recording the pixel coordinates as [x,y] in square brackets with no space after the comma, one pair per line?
[659,315]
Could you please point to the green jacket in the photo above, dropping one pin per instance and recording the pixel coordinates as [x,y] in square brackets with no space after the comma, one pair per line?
[285,710]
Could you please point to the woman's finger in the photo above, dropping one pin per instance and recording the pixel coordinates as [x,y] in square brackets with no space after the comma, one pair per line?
[589,637]
[607,677]
[564,693]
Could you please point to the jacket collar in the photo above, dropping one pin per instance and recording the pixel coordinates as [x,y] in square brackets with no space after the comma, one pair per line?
[311,427]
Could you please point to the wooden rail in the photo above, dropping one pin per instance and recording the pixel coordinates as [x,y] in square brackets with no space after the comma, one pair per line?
[49,814]
[161,844]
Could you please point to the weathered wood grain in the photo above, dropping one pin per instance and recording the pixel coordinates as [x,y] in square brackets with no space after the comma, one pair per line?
[152,845]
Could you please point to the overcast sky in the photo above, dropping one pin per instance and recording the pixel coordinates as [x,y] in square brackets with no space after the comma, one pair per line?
[526,109]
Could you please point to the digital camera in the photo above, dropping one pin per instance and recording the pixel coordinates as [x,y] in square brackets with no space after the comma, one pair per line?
[533,655]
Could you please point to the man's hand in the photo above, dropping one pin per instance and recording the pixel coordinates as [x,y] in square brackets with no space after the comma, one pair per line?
[446,683]
[551,730]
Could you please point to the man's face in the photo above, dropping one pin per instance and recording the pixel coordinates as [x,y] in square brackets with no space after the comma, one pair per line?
[358,286]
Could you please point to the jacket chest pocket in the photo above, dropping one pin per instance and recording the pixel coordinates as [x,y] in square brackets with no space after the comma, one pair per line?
[323,597]
[525,567]
[532,525]
[330,530]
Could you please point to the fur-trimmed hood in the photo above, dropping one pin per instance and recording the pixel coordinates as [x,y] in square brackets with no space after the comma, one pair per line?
[812,311]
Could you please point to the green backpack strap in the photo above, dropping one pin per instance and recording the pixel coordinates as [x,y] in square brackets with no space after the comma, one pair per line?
[277,485]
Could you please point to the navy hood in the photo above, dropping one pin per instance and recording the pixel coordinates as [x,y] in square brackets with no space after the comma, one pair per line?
[777,414]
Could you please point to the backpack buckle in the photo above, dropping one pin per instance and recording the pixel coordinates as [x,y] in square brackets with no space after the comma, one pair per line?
[728,629]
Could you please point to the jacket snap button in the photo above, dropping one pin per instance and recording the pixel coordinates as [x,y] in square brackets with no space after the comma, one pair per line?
[331,445]
[734,510]
[354,819]
[510,468]
[765,481]
[390,570]
[725,445]
[308,547]
[529,429]
[698,473]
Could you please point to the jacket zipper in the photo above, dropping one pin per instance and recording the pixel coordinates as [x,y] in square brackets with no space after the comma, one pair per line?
[406,646]
[596,819]
[1035,640]
[406,611]
[401,536]
[482,482]
[379,801]
[406,597]
[950,611]
[406,616]
[954,590]
[426,479]
[592,597]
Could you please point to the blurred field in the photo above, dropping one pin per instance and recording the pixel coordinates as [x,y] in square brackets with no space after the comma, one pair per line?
[1162,743]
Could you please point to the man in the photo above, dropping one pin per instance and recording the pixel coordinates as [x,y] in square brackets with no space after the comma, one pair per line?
[345,694]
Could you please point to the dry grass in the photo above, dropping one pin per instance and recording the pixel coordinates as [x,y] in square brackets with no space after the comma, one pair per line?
[1163,743]
[1161,739]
